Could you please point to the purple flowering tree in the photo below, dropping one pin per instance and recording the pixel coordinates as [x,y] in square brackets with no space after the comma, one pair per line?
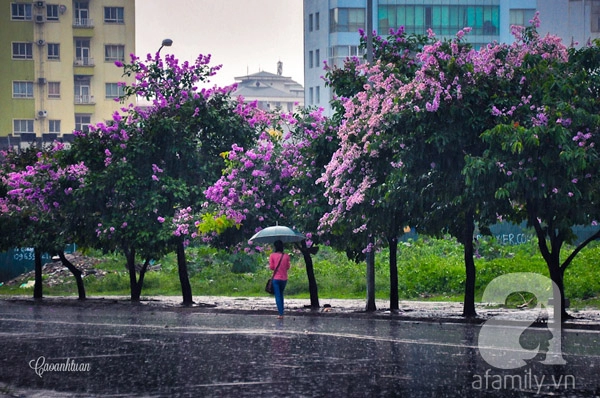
[429,129]
[36,203]
[360,215]
[272,182]
[543,153]
[149,166]
[420,130]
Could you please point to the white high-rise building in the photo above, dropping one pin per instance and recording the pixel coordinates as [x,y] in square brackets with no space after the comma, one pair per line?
[331,27]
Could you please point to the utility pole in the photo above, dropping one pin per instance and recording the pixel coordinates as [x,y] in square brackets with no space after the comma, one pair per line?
[370,257]
[370,31]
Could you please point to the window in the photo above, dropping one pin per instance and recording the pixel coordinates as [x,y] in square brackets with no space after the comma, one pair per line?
[53,89]
[114,15]
[52,12]
[54,51]
[338,54]
[82,122]
[83,90]
[521,17]
[20,11]
[82,52]
[310,96]
[317,58]
[310,59]
[54,126]
[595,22]
[310,23]
[22,51]
[22,126]
[113,90]
[346,19]
[114,53]
[22,89]
[318,94]
[81,16]
[317,22]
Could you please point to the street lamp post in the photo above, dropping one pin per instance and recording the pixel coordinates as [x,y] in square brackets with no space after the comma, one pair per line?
[165,42]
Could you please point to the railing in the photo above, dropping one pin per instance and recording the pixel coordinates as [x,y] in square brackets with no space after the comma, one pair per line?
[84,62]
[84,99]
[83,23]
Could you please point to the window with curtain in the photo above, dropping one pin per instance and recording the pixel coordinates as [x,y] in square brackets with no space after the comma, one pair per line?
[22,126]
[22,89]
[346,19]
[114,15]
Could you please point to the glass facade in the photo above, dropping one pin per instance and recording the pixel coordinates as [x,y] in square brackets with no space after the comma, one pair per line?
[444,20]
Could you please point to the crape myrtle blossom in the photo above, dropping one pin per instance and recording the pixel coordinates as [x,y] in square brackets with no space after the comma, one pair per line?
[259,186]
[171,86]
[168,88]
[40,188]
[185,224]
[369,113]
[531,120]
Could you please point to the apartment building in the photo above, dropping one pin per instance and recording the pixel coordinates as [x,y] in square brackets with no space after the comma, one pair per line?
[331,27]
[58,59]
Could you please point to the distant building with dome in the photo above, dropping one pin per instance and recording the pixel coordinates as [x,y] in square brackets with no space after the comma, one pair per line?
[271,91]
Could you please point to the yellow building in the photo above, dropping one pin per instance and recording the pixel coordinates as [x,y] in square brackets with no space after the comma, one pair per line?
[58,65]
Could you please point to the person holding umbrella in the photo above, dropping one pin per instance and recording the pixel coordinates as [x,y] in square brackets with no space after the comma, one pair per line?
[279,263]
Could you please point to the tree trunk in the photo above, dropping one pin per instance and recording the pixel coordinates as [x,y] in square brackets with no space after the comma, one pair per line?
[552,257]
[370,260]
[136,290]
[394,300]
[469,301]
[186,288]
[310,273]
[37,287]
[76,273]
[557,276]
[140,282]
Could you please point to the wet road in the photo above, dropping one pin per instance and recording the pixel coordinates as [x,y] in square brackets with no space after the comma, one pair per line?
[125,350]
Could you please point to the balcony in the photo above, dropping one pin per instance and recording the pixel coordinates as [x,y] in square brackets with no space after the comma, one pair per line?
[83,23]
[84,100]
[83,61]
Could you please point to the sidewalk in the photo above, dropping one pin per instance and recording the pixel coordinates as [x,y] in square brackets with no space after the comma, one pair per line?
[409,310]
[425,311]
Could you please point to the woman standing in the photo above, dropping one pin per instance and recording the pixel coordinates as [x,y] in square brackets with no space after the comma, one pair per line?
[280,261]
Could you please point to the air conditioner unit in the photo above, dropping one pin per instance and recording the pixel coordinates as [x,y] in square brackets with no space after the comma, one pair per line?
[41,80]
[41,42]
[78,62]
[42,114]
[40,19]
[40,4]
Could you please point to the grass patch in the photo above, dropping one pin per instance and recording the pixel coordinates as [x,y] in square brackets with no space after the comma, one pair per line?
[428,269]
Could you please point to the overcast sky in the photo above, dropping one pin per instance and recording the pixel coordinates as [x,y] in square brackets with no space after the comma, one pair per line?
[245,36]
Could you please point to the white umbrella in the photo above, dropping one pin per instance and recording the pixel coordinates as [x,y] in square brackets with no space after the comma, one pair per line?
[275,233]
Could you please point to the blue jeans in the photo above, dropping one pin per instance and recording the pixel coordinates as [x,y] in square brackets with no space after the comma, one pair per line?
[279,287]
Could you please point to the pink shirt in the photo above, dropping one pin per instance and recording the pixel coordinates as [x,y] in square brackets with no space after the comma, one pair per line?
[282,271]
